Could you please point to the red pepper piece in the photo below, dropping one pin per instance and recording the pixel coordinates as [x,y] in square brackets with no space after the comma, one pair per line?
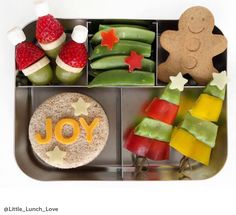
[159,151]
[134,61]
[146,147]
[137,144]
[109,38]
[162,110]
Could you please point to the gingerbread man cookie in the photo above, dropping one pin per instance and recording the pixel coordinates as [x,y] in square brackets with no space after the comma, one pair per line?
[192,47]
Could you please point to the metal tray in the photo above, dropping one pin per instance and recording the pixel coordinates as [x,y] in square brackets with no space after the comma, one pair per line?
[122,106]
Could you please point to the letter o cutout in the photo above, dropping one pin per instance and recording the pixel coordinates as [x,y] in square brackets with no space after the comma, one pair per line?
[59,128]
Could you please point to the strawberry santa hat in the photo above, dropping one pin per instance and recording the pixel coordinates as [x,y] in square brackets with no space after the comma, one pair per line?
[30,59]
[73,56]
[49,31]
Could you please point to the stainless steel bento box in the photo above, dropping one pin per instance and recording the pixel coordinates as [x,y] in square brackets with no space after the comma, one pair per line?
[122,106]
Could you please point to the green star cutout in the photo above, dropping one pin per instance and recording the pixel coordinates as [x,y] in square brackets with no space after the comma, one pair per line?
[80,107]
[56,156]
[178,82]
[219,80]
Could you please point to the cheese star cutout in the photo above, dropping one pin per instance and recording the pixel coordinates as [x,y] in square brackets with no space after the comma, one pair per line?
[134,61]
[219,80]
[178,82]
[56,156]
[80,107]
[109,38]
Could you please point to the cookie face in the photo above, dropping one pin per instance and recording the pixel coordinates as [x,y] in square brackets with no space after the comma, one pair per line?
[197,20]
[68,130]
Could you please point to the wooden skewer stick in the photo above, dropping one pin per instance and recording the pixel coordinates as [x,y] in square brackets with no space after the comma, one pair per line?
[139,166]
[184,164]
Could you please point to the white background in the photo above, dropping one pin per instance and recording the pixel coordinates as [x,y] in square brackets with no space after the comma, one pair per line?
[216,195]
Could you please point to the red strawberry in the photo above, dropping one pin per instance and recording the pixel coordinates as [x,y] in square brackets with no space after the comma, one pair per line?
[27,54]
[48,29]
[74,54]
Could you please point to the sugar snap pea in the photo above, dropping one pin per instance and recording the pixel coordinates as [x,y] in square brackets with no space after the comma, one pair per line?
[202,130]
[103,27]
[171,95]
[123,78]
[117,62]
[128,33]
[154,129]
[124,47]
[215,91]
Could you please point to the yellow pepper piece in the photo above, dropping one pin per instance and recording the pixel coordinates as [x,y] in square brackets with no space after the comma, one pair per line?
[89,128]
[59,128]
[207,108]
[48,131]
[189,146]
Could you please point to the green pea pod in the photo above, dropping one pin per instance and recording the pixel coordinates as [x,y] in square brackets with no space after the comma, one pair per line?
[215,91]
[172,96]
[114,62]
[127,33]
[202,130]
[123,78]
[104,27]
[154,129]
[123,47]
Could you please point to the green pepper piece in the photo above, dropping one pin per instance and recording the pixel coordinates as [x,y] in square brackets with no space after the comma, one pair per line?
[123,47]
[172,96]
[154,129]
[127,33]
[202,130]
[123,78]
[215,91]
[114,62]
[103,27]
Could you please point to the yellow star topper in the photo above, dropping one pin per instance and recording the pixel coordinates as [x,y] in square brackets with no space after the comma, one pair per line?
[178,82]
[56,156]
[219,80]
[80,107]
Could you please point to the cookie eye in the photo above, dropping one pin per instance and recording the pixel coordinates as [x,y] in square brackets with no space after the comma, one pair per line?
[192,18]
[203,19]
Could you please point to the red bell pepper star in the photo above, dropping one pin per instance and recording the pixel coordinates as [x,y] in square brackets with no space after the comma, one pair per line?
[134,61]
[109,38]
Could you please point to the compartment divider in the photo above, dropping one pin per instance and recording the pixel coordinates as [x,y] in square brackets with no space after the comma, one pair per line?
[88,63]
[157,45]
[119,154]
[121,136]
[31,100]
